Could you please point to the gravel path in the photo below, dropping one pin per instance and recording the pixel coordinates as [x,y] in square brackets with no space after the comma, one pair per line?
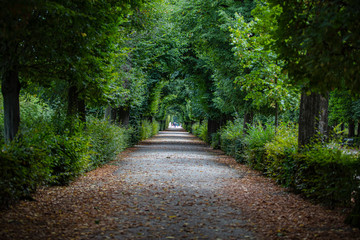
[176,184]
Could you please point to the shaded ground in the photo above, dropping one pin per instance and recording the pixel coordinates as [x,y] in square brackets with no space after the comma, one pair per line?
[171,187]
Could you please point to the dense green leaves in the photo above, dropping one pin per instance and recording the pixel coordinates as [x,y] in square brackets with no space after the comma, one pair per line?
[319,42]
[263,79]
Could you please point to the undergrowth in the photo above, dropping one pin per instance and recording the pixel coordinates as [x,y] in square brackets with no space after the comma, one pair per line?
[46,152]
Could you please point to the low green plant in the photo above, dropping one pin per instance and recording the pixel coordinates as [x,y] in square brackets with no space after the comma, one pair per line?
[255,139]
[329,173]
[280,152]
[106,141]
[148,129]
[195,128]
[231,139]
[145,130]
[70,157]
[155,127]
[203,132]
[200,130]
[25,164]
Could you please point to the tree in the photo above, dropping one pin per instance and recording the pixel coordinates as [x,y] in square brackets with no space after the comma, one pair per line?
[60,40]
[318,40]
[263,79]
[208,60]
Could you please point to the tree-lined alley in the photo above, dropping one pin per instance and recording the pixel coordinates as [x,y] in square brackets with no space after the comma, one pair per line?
[272,83]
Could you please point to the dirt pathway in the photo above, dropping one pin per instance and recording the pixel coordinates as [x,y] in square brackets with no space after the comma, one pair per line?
[172,186]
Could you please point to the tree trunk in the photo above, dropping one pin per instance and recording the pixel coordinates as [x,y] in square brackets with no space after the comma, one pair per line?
[351,128]
[248,119]
[213,126]
[313,118]
[82,110]
[123,114]
[10,89]
[113,115]
[72,101]
[163,125]
[358,129]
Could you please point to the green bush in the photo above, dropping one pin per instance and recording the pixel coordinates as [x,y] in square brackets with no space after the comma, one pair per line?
[203,132]
[215,140]
[279,162]
[329,174]
[25,164]
[148,129]
[195,128]
[255,139]
[47,152]
[145,130]
[200,130]
[155,126]
[106,141]
[231,139]
[70,157]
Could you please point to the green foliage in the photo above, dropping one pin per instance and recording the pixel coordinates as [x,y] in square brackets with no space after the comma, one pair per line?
[231,139]
[148,129]
[255,139]
[106,141]
[155,126]
[70,157]
[263,79]
[329,174]
[209,64]
[47,153]
[279,162]
[200,130]
[340,107]
[25,164]
[319,42]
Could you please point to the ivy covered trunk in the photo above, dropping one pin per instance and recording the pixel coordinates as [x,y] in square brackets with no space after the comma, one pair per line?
[313,118]
[10,89]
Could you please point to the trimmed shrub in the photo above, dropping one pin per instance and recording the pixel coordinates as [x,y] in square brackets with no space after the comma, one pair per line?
[46,152]
[328,174]
[279,161]
[106,141]
[25,164]
[203,132]
[70,158]
[194,128]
